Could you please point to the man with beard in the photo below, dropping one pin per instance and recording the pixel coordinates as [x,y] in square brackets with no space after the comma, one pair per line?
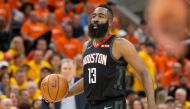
[105,59]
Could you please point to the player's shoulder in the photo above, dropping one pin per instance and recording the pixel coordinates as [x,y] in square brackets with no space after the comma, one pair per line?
[122,41]
[123,46]
[86,42]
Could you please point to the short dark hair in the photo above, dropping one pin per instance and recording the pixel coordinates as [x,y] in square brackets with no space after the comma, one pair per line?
[24,5]
[46,68]
[107,7]
[20,70]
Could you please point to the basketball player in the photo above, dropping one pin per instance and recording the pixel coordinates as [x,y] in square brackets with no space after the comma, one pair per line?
[105,59]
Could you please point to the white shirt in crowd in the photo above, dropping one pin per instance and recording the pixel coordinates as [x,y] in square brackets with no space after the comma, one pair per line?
[69,103]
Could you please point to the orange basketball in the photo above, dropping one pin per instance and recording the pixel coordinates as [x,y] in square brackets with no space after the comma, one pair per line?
[54,87]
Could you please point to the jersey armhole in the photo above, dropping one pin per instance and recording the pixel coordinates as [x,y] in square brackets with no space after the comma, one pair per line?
[87,43]
[111,53]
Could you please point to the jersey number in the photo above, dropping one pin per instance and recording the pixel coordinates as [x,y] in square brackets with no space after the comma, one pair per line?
[92,75]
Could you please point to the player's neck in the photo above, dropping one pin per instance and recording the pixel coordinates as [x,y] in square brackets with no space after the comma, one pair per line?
[99,40]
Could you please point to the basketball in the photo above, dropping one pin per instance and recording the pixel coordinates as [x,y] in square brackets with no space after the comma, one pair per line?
[54,87]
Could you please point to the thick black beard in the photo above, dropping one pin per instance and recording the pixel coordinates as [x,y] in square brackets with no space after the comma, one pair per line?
[99,32]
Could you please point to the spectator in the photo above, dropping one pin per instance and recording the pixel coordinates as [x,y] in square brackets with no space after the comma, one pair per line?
[170,59]
[64,15]
[183,82]
[56,63]
[97,2]
[78,6]
[160,59]
[5,87]
[85,16]
[26,8]
[68,70]
[13,107]
[24,102]
[5,35]
[130,97]
[44,71]
[5,14]
[145,54]
[160,94]
[16,46]
[170,102]
[14,4]
[55,4]
[141,32]
[162,106]
[78,31]
[6,104]
[172,77]
[33,90]
[17,21]
[144,102]
[37,104]
[69,46]
[137,104]
[14,98]
[4,67]
[41,44]
[20,81]
[36,64]
[15,90]
[34,2]
[18,61]
[181,98]
[56,29]
[116,27]
[41,10]
[32,28]
[130,35]
[18,16]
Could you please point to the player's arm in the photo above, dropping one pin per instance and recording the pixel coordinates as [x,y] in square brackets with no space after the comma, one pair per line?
[126,50]
[78,87]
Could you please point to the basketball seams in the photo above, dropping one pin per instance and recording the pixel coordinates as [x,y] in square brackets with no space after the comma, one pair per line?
[50,85]
[43,89]
[58,88]
[48,88]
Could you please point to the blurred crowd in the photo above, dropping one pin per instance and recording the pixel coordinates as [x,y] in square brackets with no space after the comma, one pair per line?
[37,38]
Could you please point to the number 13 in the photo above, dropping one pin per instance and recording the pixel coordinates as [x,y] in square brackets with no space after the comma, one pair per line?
[92,75]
